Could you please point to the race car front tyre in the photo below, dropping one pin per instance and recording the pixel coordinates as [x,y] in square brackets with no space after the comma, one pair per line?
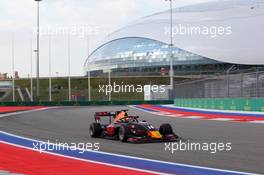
[123,133]
[165,129]
[95,130]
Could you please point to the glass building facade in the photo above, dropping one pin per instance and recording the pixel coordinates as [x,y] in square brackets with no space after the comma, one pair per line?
[133,56]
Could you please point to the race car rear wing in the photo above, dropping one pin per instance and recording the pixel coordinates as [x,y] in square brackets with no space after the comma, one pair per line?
[105,114]
[98,115]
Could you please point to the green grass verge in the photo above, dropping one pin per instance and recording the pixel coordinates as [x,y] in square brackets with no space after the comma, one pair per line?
[80,86]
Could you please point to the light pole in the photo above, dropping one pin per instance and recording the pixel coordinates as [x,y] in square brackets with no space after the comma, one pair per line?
[109,79]
[88,72]
[50,85]
[69,67]
[13,68]
[171,46]
[109,83]
[31,70]
[37,50]
[89,84]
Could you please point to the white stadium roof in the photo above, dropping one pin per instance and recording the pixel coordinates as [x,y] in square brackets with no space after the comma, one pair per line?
[243,45]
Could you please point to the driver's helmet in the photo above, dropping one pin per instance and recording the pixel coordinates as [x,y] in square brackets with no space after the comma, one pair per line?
[121,117]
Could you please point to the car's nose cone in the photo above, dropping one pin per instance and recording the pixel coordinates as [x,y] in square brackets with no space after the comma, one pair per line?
[154,134]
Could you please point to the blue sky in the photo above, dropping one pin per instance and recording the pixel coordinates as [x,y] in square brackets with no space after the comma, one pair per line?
[99,18]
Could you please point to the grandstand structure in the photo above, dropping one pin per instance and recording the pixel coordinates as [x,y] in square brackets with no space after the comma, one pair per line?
[142,47]
[226,63]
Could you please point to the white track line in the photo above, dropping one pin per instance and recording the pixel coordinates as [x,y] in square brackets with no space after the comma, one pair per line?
[168,114]
[193,117]
[24,112]
[222,119]
[126,156]
[256,121]
[85,160]
[216,110]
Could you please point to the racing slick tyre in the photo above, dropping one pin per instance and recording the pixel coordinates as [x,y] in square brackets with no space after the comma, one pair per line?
[95,130]
[123,133]
[165,129]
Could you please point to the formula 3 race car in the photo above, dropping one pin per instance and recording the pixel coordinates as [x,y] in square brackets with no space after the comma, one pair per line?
[121,126]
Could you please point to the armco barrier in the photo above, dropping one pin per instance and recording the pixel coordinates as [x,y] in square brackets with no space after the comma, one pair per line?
[241,104]
[83,103]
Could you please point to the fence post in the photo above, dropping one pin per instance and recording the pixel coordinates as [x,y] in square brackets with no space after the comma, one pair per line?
[227,85]
[257,83]
[241,85]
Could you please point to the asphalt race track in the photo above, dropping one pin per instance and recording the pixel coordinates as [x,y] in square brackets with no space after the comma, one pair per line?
[70,124]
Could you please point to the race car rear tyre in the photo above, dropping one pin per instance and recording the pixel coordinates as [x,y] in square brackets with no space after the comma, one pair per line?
[95,130]
[165,129]
[123,133]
